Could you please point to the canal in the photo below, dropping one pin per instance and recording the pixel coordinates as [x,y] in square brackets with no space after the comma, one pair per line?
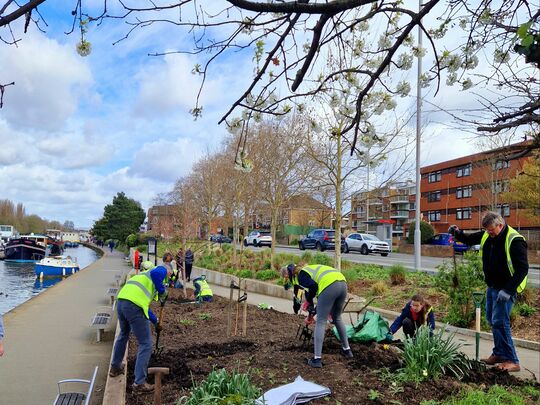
[18,282]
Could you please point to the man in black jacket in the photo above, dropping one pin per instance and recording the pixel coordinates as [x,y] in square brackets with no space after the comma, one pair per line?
[504,260]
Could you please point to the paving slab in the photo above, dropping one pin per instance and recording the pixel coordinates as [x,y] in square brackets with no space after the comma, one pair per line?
[49,337]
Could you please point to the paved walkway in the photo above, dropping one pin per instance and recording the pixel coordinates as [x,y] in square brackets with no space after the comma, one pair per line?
[48,338]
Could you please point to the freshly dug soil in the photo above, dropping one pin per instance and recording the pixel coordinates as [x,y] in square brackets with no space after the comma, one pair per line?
[194,340]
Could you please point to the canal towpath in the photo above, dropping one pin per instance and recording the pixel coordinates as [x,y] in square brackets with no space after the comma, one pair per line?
[48,338]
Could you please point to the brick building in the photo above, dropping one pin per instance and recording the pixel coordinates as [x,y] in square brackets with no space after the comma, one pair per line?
[394,202]
[458,191]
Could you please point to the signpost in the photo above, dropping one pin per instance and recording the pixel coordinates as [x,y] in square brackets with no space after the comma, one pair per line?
[152,249]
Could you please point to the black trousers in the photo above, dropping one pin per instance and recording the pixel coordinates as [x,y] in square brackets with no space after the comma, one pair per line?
[409,328]
[188,271]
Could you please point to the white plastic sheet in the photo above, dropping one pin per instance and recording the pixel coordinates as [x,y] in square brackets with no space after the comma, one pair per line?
[297,392]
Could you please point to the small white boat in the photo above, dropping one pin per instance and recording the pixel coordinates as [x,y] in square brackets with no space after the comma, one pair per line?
[56,266]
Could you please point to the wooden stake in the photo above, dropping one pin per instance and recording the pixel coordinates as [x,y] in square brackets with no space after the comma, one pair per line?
[244,318]
[229,315]
[237,307]
[158,371]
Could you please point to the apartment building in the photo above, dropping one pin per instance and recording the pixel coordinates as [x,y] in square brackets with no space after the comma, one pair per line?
[458,191]
[393,203]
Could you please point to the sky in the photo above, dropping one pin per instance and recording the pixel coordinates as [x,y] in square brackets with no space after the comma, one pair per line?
[75,131]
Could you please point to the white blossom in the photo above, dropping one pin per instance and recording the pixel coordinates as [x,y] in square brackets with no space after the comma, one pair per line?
[501,56]
[424,80]
[451,79]
[363,26]
[403,88]
[466,84]
[463,23]
[384,42]
[453,63]
[419,52]
[471,62]
[405,61]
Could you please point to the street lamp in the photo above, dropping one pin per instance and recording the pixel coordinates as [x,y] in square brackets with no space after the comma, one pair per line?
[152,249]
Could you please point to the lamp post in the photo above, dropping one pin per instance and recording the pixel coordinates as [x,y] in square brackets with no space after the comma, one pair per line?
[417,233]
[152,249]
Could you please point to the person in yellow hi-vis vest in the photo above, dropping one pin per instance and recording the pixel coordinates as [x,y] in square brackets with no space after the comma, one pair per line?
[504,260]
[134,315]
[330,288]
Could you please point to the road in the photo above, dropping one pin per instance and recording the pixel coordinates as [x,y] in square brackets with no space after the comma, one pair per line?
[429,264]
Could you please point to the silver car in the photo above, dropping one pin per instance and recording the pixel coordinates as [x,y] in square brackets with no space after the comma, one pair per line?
[366,244]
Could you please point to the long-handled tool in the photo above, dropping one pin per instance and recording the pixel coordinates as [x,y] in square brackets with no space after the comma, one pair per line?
[158,350]
[478,297]
[232,287]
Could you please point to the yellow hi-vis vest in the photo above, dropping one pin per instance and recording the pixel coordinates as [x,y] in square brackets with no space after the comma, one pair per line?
[140,290]
[322,275]
[205,289]
[510,236]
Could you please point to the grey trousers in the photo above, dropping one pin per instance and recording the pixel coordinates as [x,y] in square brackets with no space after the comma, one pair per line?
[331,302]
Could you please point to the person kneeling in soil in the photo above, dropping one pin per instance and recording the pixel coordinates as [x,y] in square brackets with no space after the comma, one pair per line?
[330,288]
[134,315]
[415,313]
[202,292]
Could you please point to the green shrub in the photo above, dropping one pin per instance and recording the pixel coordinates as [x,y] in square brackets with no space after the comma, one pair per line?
[321,258]
[426,232]
[132,240]
[398,274]
[245,273]
[267,275]
[496,395]
[458,284]
[222,388]
[379,288]
[307,257]
[226,247]
[294,242]
[267,265]
[429,356]
[527,296]
[351,274]
[526,310]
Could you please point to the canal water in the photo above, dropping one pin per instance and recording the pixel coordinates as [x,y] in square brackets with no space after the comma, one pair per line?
[18,282]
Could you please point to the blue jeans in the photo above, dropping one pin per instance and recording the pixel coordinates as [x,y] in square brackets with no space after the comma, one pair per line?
[498,316]
[132,319]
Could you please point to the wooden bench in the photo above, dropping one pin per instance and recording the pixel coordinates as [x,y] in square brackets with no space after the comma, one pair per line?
[76,397]
[102,319]
[112,292]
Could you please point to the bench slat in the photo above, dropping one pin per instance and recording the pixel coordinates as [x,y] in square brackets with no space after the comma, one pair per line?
[70,398]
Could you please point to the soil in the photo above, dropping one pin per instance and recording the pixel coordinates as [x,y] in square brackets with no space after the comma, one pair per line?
[194,341]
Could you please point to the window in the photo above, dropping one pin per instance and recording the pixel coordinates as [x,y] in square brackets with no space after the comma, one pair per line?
[434,177]
[434,216]
[464,192]
[412,206]
[434,196]
[501,186]
[464,170]
[501,164]
[463,213]
[504,210]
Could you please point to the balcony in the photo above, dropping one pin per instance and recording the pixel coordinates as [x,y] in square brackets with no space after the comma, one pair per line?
[374,201]
[399,199]
[399,214]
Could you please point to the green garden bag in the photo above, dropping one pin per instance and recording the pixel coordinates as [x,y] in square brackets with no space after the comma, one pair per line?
[372,327]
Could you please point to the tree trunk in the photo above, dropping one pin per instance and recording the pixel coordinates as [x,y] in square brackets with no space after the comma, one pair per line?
[273,229]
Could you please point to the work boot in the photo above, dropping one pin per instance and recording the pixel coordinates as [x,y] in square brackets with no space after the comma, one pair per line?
[509,366]
[315,363]
[115,372]
[492,360]
[143,388]
[347,353]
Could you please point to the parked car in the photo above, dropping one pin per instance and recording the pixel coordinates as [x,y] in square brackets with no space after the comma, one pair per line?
[445,239]
[320,239]
[220,239]
[366,244]
[258,238]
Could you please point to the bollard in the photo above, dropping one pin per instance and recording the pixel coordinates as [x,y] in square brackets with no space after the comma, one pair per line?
[478,297]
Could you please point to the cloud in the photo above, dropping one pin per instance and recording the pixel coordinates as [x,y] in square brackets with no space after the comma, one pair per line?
[50,79]
[165,160]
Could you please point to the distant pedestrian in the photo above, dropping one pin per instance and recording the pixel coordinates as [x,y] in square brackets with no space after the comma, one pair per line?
[134,315]
[1,336]
[189,259]
[111,245]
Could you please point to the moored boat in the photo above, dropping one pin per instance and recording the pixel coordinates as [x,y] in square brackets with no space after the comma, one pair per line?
[54,266]
[26,248]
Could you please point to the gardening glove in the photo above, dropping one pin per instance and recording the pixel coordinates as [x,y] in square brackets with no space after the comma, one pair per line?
[503,296]
[389,337]
[453,229]
[163,298]
[311,310]
[296,305]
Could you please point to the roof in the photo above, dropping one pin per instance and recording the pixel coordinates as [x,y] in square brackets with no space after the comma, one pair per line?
[306,201]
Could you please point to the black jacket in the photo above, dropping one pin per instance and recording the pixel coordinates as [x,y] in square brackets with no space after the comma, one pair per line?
[496,272]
